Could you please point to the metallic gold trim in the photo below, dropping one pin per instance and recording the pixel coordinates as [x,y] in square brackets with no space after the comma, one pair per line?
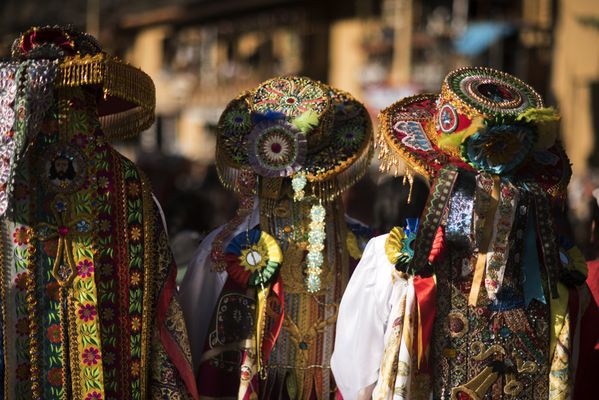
[117,79]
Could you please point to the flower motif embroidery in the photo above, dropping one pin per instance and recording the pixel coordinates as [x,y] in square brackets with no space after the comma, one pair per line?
[52,290]
[23,327]
[87,312]
[85,268]
[53,333]
[135,278]
[135,368]
[135,233]
[21,236]
[90,356]
[93,396]
[135,324]
[55,376]
[21,281]
[23,372]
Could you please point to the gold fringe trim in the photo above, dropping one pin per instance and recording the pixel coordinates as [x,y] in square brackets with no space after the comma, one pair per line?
[395,159]
[118,79]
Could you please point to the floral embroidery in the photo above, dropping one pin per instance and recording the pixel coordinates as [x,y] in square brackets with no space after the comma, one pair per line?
[52,290]
[23,372]
[93,396]
[135,278]
[21,236]
[23,327]
[85,268]
[135,233]
[55,376]
[90,356]
[87,312]
[54,333]
[135,324]
[21,281]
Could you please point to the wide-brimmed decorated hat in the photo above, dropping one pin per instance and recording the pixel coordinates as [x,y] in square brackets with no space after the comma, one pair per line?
[483,120]
[128,99]
[294,125]
[48,61]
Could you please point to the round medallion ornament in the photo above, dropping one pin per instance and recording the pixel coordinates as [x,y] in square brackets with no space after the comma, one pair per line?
[276,149]
[291,96]
[492,92]
[64,170]
[253,258]
[448,118]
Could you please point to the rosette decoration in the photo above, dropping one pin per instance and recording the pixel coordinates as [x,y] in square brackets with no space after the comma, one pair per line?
[276,148]
[398,245]
[253,258]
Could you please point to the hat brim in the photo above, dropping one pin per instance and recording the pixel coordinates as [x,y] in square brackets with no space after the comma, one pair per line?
[404,137]
[339,163]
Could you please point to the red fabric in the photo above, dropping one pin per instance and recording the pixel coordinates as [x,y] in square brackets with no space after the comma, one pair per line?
[271,338]
[588,362]
[47,36]
[170,345]
[425,290]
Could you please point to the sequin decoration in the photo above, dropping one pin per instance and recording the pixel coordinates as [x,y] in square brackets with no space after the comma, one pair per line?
[492,92]
[253,258]
[291,95]
[276,149]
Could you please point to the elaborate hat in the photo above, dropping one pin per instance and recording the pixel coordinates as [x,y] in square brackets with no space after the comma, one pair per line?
[128,102]
[483,120]
[48,61]
[294,125]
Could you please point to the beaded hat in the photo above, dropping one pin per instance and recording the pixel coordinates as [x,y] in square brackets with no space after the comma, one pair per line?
[294,125]
[128,102]
[46,63]
[483,120]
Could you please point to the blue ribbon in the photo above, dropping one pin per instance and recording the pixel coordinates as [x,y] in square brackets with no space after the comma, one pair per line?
[531,267]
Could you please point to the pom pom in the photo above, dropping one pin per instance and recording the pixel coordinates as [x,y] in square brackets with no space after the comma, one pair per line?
[547,122]
[307,121]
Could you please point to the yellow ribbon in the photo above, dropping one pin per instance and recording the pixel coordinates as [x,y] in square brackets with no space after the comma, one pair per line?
[481,259]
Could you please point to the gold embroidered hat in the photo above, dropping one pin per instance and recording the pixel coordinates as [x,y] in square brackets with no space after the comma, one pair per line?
[294,125]
[45,63]
[483,120]
[128,94]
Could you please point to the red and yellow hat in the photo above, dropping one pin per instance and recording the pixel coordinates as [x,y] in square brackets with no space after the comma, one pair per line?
[483,120]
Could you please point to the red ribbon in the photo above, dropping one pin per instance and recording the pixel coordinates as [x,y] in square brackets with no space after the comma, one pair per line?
[425,289]
[270,338]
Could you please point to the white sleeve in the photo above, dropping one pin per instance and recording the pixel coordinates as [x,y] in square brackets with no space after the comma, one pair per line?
[361,324]
[201,288]
[198,295]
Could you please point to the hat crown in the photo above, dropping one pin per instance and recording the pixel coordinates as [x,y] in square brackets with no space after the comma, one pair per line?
[54,42]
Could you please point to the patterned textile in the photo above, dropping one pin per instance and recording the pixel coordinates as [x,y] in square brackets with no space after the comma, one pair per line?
[505,307]
[87,276]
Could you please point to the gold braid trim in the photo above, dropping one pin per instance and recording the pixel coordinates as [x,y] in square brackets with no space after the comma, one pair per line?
[118,79]
[150,260]
[392,154]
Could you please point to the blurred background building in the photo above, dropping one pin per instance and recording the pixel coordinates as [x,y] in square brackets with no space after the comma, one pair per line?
[202,53]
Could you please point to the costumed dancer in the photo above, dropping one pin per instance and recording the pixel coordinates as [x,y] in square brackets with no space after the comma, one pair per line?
[478,299]
[261,297]
[87,297]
